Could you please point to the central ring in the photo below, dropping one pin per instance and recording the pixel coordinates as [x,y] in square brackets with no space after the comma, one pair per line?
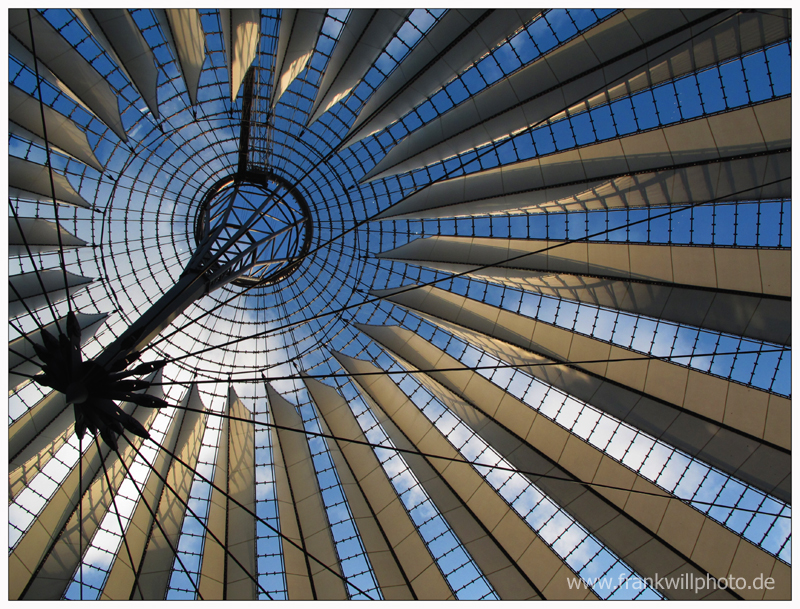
[259,221]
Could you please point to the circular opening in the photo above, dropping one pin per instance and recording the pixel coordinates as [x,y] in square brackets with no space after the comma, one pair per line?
[257,226]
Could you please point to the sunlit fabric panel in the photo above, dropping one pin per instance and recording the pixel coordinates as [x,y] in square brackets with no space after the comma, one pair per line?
[116,31]
[700,542]
[765,464]
[38,235]
[514,542]
[25,120]
[402,563]
[314,571]
[742,291]
[410,304]
[588,64]
[170,509]
[298,31]
[229,558]
[512,189]
[61,58]
[28,180]
[34,290]
[129,578]
[460,38]
[183,33]
[241,32]
[42,564]
[362,40]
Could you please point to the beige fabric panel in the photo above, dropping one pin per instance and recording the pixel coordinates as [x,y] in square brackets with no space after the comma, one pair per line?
[25,290]
[761,318]
[639,548]
[241,33]
[31,424]
[211,583]
[122,577]
[295,562]
[521,340]
[363,38]
[307,500]
[739,132]
[382,521]
[242,487]
[759,271]
[28,180]
[535,93]
[156,566]
[299,30]
[440,36]
[52,543]
[706,543]
[484,37]
[39,236]
[18,366]
[738,34]
[184,34]
[63,135]
[478,515]
[48,442]
[121,38]
[518,188]
[221,578]
[69,66]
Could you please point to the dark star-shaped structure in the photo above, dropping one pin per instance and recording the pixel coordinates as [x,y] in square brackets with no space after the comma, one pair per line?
[93,389]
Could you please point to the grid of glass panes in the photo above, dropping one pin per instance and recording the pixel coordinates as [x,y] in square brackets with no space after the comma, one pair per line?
[756,516]
[462,574]
[579,549]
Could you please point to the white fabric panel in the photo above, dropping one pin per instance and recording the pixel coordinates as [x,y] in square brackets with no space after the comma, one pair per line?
[702,542]
[30,424]
[28,289]
[306,500]
[47,555]
[185,38]
[486,33]
[17,364]
[377,526]
[518,188]
[535,92]
[469,499]
[693,425]
[735,35]
[361,41]
[120,37]
[643,552]
[38,235]
[121,578]
[714,268]
[25,120]
[68,66]
[221,578]
[35,437]
[241,33]
[31,181]
[156,566]
[382,521]
[298,36]
[446,31]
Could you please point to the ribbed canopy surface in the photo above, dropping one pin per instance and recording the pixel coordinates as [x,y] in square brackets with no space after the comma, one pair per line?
[520,327]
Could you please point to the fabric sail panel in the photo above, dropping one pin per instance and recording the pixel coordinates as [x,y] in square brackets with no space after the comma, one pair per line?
[300,499]
[380,516]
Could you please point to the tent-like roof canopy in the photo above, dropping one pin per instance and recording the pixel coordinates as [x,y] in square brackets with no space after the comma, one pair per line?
[443,304]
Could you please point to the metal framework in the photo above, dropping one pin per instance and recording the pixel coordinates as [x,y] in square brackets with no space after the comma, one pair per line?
[445,304]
